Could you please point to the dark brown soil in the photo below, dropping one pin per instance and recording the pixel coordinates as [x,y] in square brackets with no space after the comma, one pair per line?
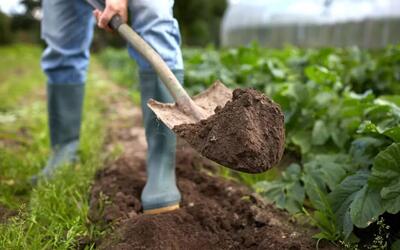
[247,134]
[6,213]
[215,213]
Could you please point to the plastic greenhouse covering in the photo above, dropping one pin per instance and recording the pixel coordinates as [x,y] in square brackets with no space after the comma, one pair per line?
[312,23]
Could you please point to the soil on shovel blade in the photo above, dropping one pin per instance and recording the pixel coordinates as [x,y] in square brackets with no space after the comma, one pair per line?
[247,134]
[215,213]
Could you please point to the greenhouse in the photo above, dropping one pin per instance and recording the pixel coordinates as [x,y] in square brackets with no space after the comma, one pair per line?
[274,23]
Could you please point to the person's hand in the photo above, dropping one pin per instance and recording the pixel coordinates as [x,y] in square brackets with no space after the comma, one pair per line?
[112,8]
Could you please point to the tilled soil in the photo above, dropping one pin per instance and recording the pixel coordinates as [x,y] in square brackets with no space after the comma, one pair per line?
[215,213]
[247,134]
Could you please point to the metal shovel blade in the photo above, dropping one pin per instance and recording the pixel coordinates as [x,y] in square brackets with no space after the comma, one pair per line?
[170,114]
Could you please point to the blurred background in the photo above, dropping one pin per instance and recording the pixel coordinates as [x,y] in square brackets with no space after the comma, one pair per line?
[199,23]
[272,23]
[312,23]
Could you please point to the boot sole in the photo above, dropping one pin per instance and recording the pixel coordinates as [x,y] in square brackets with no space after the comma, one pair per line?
[162,209]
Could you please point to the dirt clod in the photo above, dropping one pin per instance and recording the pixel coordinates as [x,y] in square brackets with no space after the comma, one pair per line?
[247,134]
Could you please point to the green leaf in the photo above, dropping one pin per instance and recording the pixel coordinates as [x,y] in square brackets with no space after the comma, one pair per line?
[386,166]
[326,222]
[391,198]
[320,75]
[298,92]
[391,98]
[396,245]
[287,192]
[368,127]
[325,98]
[385,176]
[333,173]
[342,198]
[320,133]
[275,69]
[327,169]
[364,149]
[315,189]
[339,136]
[317,176]
[302,138]
[366,207]
[393,133]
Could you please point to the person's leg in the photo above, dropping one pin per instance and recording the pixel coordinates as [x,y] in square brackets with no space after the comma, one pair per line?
[154,22]
[67,28]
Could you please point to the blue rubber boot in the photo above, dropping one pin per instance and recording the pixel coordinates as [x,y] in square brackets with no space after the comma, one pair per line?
[160,193]
[64,103]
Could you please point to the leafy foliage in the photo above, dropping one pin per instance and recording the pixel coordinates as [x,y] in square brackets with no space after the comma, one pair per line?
[342,118]
[199,21]
[287,193]
[5,31]
[385,177]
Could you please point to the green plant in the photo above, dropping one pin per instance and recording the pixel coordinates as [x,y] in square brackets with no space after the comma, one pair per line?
[337,120]
[6,36]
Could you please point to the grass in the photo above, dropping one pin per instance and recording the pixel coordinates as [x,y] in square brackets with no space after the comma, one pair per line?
[52,215]
[17,61]
[122,70]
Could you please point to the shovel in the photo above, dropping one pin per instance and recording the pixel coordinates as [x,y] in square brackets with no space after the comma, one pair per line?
[184,110]
[241,129]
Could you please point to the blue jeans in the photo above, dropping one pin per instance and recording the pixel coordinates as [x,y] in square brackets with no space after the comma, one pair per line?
[67,28]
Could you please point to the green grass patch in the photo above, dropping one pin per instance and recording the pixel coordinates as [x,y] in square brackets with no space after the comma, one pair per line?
[19,73]
[52,215]
[122,70]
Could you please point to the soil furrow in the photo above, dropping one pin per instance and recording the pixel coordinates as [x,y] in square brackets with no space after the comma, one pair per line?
[215,213]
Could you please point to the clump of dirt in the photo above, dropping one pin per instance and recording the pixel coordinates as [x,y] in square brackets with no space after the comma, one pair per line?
[247,134]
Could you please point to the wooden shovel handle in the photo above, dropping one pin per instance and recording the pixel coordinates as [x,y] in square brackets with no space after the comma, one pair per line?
[182,99]
[179,94]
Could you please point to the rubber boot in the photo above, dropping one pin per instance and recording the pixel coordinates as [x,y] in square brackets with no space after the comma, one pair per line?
[160,193]
[64,103]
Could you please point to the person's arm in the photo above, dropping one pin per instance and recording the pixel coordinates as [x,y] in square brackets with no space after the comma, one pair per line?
[112,8]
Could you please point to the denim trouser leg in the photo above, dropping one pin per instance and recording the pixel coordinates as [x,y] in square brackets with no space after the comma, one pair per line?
[154,22]
[67,28]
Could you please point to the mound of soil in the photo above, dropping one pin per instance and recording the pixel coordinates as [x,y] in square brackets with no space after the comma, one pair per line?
[215,213]
[247,134]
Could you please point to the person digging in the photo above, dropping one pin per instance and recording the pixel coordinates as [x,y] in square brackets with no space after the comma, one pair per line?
[67,28]
[241,129]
